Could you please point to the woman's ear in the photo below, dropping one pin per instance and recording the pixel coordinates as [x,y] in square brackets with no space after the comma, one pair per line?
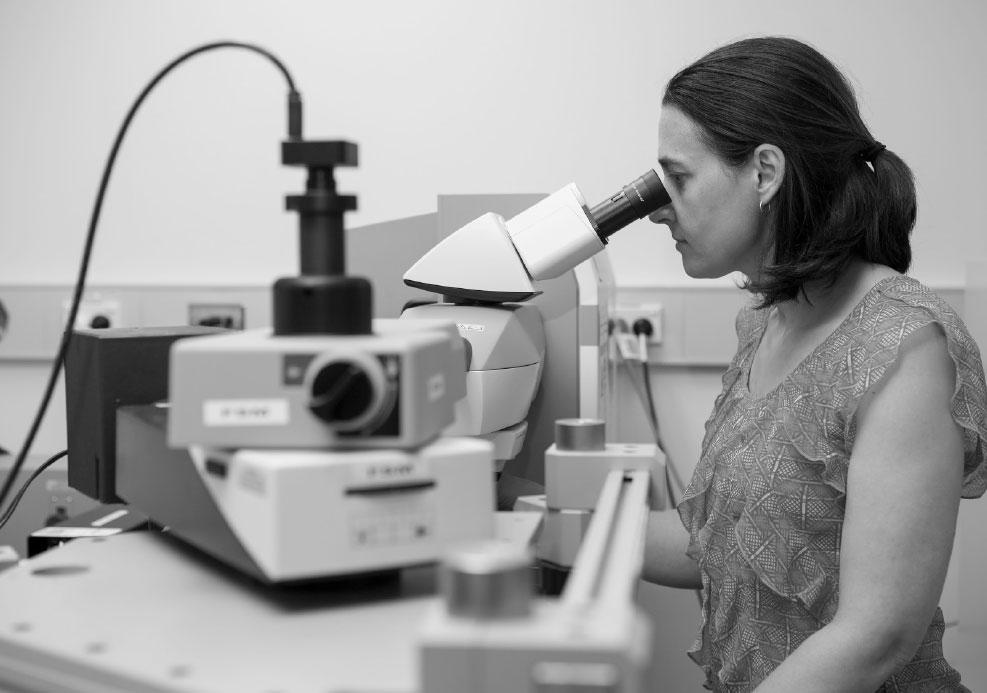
[769,163]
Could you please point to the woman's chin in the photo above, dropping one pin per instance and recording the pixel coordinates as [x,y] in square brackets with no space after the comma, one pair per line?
[697,271]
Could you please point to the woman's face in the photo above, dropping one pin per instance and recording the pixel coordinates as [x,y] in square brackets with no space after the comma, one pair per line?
[714,216]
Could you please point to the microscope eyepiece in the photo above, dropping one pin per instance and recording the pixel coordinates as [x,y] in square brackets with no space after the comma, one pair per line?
[636,200]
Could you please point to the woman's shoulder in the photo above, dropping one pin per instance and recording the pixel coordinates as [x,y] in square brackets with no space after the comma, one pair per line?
[907,292]
[898,308]
[870,339]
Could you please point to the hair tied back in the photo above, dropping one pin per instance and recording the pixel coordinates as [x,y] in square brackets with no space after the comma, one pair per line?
[870,153]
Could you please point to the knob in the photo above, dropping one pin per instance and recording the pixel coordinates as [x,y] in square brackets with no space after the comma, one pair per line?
[489,580]
[343,393]
[580,434]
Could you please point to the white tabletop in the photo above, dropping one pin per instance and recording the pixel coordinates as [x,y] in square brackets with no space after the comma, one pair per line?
[139,612]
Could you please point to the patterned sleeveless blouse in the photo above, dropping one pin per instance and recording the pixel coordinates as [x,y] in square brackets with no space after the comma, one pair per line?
[765,506]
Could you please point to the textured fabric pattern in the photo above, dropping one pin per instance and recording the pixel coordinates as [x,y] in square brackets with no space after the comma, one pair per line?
[765,506]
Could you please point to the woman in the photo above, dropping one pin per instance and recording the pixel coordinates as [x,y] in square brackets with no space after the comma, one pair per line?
[820,518]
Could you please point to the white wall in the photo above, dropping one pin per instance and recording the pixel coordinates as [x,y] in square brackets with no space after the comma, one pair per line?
[442,97]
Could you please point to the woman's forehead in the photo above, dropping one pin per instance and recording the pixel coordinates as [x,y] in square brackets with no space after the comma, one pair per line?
[679,138]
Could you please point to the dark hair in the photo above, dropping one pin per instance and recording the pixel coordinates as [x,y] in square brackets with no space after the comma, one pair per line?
[831,206]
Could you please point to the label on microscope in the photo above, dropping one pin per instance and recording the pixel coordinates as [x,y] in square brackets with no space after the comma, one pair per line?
[388,471]
[245,412]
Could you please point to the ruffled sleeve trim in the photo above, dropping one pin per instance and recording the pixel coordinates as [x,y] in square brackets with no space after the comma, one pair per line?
[969,402]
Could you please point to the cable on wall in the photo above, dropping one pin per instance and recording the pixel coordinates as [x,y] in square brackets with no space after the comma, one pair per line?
[294,132]
[632,349]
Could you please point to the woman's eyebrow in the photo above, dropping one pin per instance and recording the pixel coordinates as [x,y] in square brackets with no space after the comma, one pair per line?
[667,161]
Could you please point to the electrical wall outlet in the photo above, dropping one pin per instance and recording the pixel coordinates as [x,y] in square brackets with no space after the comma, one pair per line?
[63,500]
[652,312]
[229,315]
[95,312]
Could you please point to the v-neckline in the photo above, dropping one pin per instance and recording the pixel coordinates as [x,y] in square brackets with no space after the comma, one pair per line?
[801,365]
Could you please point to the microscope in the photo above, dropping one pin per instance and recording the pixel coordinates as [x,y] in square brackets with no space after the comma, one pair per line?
[335,445]
[487,271]
[311,450]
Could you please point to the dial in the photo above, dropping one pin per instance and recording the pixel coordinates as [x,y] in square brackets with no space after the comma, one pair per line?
[343,393]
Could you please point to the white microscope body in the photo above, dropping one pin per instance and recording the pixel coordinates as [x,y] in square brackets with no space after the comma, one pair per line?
[495,261]
[488,267]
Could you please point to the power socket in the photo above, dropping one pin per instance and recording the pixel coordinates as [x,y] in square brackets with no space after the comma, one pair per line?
[652,312]
[63,501]
[95,312]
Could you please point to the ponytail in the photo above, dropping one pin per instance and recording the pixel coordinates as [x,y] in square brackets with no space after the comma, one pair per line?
[886,241]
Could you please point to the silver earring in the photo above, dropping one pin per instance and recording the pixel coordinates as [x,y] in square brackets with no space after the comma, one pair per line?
[764,207]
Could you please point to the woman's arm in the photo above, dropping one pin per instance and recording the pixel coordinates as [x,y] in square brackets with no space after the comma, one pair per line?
[665,562]
[903,493]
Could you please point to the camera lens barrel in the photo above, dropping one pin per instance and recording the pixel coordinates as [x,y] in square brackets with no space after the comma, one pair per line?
[636,200]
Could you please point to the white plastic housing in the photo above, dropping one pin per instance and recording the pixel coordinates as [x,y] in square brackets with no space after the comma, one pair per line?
[479,257]
[507,347]
[554,235]
[494,400]
[303,514]
[574,478]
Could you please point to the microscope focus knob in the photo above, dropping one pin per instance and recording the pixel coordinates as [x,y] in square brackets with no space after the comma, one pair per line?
[345,391]
[489,580]
[580,434]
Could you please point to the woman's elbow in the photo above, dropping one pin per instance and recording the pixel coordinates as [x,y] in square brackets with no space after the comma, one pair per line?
[888,647]
[900,648]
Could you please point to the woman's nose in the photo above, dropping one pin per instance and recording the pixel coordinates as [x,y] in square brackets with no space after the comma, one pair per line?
[663,215]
